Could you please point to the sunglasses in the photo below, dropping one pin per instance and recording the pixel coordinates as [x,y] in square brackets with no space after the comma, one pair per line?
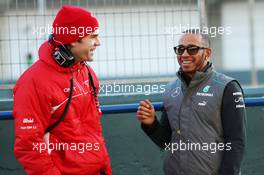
[191,49]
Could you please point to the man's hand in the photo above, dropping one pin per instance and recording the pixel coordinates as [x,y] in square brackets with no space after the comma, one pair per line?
[146,112]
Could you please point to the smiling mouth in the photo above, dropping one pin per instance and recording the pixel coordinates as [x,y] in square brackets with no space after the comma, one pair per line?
[92,51]
[186,62]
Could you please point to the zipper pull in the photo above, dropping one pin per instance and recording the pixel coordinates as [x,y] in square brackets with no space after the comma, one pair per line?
[178,131]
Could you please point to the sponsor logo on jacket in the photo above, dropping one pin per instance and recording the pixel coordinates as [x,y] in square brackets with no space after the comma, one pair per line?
[239,100]
[205,92]
[28,120]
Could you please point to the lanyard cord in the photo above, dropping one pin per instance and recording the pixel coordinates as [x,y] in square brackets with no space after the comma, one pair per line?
[92,82]
[97,105]
[65,111]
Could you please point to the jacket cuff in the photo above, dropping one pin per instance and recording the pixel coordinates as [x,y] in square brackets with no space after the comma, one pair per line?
[150,129]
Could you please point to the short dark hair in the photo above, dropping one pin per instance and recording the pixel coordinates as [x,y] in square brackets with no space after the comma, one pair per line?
[205,37]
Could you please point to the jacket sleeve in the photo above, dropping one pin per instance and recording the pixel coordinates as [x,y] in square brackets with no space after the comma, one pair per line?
[233,116]
[160,131]
[32,112]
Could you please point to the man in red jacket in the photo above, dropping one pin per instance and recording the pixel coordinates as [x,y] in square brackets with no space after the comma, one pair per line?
[56,109]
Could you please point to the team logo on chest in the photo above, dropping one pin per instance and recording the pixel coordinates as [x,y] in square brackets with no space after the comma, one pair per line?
[176,92]
[206,89]
[205,92]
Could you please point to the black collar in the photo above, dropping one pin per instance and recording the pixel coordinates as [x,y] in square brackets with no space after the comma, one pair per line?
[184,77]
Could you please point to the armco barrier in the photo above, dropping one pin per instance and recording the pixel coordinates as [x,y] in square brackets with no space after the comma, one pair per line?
[128,108]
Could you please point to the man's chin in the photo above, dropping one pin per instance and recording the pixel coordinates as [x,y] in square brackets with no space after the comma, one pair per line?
[89,59]
[186,70]
[189,71]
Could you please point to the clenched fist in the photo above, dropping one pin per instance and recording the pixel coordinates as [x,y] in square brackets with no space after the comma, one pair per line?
[146,112]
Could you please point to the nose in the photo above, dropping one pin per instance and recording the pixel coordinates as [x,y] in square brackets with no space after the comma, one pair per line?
[185,53]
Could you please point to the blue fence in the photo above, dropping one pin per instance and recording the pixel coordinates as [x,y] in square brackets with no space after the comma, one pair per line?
[128,108]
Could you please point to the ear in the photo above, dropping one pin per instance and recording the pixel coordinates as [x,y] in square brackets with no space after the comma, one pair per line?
[208,52]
